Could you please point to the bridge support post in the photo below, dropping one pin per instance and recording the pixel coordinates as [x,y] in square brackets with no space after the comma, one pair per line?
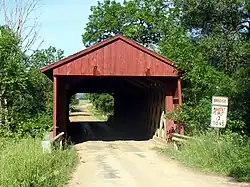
[54,105]
[169,106]
[60,108]
[177,103]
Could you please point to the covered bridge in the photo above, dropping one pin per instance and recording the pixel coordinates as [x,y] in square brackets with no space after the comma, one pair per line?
[143,83]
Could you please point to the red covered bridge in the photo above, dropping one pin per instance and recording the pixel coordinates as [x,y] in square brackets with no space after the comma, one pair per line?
[143,84]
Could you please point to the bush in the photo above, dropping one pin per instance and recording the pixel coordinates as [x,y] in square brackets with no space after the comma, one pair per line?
[197,118]
[102,102]
[34,127]
[23,164]
[229,154]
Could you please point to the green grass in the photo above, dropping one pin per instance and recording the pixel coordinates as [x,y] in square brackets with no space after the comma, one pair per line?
[98,114]
[227,155]
[23,164]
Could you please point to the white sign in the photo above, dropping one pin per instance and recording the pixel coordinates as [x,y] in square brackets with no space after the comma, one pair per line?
[219,112]
[220,101]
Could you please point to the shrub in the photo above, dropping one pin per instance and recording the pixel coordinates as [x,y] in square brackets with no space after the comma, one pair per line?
[23,164]
[102,102]
[34,127]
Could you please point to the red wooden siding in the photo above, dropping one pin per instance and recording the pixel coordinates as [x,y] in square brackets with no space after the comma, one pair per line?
[117,59]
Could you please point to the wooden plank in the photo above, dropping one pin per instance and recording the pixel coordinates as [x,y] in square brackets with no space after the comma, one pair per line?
[115,65]
[178,139]
[140,63]
[153,113]
[57,141]
[181,136]
[144,108]
[136,66]
[100,61]
[158,110]
[107,64]
[147,112]
[129,61]
[85,65]
[64,112]
[148,70]
[179,90]
[67,68]
[122,58]
[160,140]
[158,66]
[59,136]
[155,124]
[169,107]
[92,63]
[54,105]
[150,112]
[56,71]
[77,67]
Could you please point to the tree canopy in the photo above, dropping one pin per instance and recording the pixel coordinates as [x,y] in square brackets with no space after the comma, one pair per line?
[208,38]
[25,93]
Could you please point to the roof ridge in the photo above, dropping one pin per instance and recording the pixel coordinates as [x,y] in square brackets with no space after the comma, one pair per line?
[104,43]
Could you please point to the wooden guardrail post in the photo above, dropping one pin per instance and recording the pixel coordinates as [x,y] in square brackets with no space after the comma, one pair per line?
[58,140]
[178,139]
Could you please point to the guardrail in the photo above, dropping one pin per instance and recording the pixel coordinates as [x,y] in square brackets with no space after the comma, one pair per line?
[179,139]
[58,140]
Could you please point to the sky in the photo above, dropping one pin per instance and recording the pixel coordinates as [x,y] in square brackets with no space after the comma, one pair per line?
[62,23]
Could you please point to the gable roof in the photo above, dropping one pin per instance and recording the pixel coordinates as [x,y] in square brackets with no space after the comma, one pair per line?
[48,69]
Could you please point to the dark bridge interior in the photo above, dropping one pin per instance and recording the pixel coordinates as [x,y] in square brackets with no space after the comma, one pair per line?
[133,115]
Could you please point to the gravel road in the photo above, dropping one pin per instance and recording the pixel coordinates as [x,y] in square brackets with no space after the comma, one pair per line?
[135,164]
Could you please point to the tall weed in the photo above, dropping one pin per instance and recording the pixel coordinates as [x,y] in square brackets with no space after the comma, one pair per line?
[23,164]
[229,154]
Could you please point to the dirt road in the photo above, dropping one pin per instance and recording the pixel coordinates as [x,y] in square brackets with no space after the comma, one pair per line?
[135,164]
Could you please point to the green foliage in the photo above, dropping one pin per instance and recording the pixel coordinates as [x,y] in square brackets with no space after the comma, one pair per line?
[216,62]
[25,93]
[44,57]
[229,154]
[223,43]
[74,100]
[102,102]
[213,51]
[211,16]
[32,127]
[23,164]
[137,19]
[12,73]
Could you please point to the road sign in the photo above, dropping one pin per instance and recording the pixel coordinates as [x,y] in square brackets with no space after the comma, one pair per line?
[222,101]
[219,112]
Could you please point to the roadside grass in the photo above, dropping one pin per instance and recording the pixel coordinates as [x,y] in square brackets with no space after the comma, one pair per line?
[22,163]
[97,113]
[228,155]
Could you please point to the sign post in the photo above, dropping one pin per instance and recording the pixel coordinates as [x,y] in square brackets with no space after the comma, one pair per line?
[219,112]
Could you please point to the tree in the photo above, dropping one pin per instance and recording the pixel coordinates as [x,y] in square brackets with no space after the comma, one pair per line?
[12,74]
[43,57]
[138,19]
[21,17]
[210,39]
[220,30]
[39,85]
[25,93]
